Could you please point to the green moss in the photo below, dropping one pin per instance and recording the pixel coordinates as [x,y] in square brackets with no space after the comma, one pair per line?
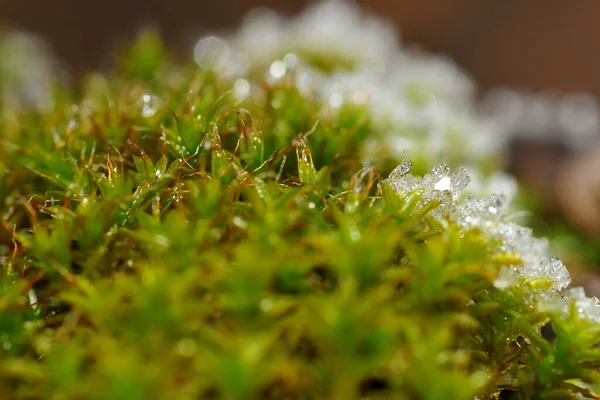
[162,239]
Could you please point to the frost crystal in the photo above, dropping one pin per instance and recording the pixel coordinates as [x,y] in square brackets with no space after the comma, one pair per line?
[491,216]
[400,170]
[439,172]
[424,102]
[587,307]
[554,269]
[459,180]
[404,166]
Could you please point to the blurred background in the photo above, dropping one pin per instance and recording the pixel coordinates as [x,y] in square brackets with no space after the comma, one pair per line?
[538,44]
[541,54]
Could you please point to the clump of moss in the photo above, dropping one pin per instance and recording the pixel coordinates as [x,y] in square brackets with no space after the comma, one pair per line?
[164,237]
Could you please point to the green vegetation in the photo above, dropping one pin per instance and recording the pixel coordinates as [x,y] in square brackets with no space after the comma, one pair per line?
[162,238]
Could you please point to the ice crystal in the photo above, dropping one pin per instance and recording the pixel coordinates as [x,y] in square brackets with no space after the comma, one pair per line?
[403,168]
[554,269]
[277,70]
[587,307]
[491,215]
[459,180]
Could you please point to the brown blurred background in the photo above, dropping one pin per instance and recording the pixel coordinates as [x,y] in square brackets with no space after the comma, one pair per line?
[534,44]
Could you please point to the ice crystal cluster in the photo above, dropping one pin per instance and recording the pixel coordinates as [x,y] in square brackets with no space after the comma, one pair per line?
[572,119]
[492,215]
[423,102]
[586,306]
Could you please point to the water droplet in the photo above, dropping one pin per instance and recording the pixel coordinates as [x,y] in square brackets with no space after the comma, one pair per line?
[336,100]
[241,89]
[239,222]
[148,105]
[290,60]
[277,70]
[266,305]
[212,52]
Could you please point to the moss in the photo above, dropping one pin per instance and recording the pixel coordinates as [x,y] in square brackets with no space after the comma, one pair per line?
[162,238]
